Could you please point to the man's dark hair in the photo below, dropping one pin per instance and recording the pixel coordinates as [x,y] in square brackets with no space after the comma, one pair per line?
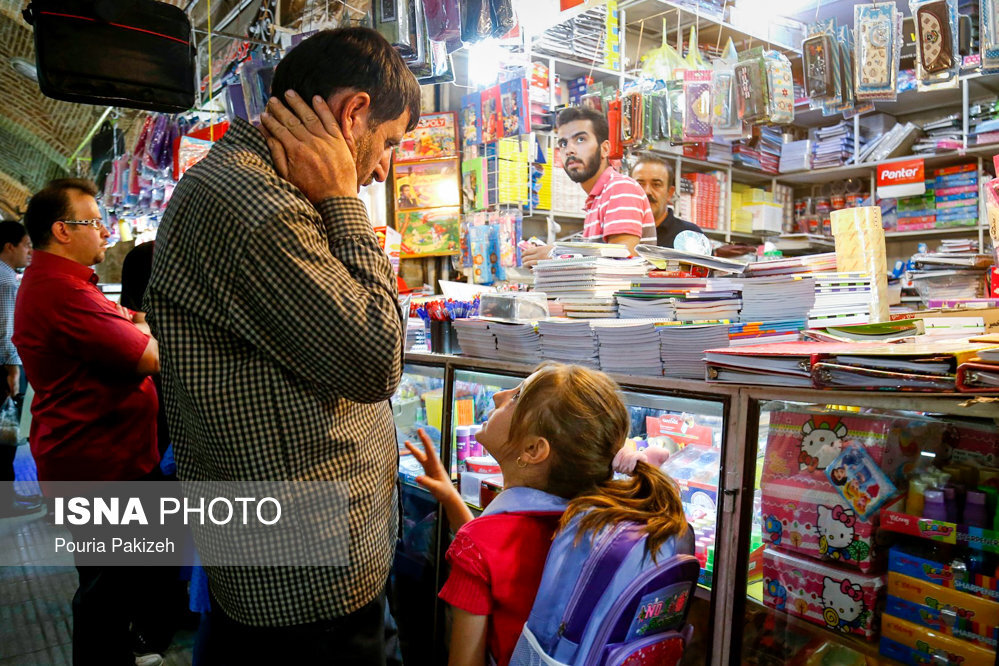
[11,232]
[597,120]
[50,205]
[357,58]
[646,158]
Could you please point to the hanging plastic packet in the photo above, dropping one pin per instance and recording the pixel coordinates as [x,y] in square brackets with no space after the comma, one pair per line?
[476,20]
[725,121]
[694,59]
[878,36]
[674,107]
[479,246]
[502,16]
[937,59]
[817,54]
[661,63]
[751,87]
[845,45]
[697,106]
[660,114]
[443,19]
[508,229]
[989,35]
[780,100]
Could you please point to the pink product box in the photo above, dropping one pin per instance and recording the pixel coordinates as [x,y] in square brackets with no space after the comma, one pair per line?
[801,444]
[818,593]
[819,524]
[973,443]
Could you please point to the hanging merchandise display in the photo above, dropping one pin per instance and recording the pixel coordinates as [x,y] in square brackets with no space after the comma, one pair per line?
[750,77]
[878,37]
[725,122]
[697,105]
[988,35]
[443,19]
[937,59]
[476,21]
[780,89]
[818,52]
[503,18]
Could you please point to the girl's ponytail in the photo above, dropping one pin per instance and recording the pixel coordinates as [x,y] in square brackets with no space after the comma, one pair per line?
[649,498]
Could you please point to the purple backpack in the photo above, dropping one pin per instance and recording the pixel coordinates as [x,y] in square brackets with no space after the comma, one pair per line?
[604,601]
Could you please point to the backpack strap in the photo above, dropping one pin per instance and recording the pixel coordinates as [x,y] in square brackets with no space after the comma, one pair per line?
[596,584]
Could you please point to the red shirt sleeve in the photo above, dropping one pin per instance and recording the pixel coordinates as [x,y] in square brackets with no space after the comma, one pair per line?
[467,586]
[92,329]
[624,209]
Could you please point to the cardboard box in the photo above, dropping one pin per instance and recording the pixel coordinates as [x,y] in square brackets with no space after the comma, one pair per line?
[967,606]
[913,644]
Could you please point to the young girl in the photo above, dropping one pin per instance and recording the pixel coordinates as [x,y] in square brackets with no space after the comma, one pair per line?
[555,437]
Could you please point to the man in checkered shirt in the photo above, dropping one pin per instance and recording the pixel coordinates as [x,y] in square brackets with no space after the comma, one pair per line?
[281,338]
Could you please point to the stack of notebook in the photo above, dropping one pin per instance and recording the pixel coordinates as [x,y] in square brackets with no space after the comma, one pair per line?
[681,299]
[629,346]
[760,332]
[809,263]
[777,298]
[586,277]
[517,342]
[841,299]
[682,347]
[568,341]
[589,308]
[475,337]
[833,146]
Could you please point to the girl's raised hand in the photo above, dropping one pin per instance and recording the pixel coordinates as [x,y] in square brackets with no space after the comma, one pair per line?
[435,479]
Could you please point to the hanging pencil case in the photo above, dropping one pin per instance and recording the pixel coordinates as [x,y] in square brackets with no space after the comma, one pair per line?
[751,88]
[697,105]
[780,101]
[936,40]
[878,41]
[989,35]
[817,52]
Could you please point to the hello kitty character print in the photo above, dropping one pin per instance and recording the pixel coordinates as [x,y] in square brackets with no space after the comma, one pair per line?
[821,442]
[843,604]
[837,536]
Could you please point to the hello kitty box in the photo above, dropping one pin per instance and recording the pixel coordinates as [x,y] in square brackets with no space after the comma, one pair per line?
[801,443]
[821,594]
[818,524]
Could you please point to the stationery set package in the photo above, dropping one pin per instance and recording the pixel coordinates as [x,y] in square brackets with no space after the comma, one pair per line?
[878,38]
[911,643]
[750,87]
[937,58]
[725,122]
[821,594]
[780,87]
[819,524]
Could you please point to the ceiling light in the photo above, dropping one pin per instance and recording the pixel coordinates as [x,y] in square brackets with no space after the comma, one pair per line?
[25,68]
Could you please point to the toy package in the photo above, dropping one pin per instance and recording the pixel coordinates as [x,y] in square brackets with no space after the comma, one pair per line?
[492,123]
[697,105]
[937,59]
[427,184]
[515,99]
[471,119]
[819,524]
[801,444]
[859,480]
[817,51]
[821,594]
[480,250]
[433,139]
[509,226]
[878,37]
[954,575]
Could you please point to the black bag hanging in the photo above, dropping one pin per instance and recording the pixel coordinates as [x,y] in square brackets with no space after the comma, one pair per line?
[476,22]
[105,146]
[503,17]
[136,53]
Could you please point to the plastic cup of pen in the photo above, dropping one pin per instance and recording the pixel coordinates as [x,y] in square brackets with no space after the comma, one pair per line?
[441,336]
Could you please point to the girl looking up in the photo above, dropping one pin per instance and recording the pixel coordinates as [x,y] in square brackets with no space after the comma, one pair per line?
[555,438]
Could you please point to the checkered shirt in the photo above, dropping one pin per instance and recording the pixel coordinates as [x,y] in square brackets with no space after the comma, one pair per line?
[8,297]
[280,343]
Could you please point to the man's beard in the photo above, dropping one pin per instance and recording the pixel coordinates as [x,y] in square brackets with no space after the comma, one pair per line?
[590,169]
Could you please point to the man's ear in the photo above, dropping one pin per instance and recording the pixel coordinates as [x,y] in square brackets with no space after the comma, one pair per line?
[352,115]
[605,150]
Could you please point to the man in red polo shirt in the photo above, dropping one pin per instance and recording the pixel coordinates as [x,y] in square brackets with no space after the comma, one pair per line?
[94,412]
[617,210]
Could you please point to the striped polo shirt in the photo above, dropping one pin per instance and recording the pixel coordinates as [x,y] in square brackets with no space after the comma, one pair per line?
[617,205]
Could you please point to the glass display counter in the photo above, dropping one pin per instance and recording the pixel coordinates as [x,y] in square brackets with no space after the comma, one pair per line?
[859,547]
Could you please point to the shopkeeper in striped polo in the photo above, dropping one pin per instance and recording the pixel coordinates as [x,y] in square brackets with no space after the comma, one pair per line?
[617,210]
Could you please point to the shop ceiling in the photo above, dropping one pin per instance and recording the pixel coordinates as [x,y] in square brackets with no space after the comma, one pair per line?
[38,135]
